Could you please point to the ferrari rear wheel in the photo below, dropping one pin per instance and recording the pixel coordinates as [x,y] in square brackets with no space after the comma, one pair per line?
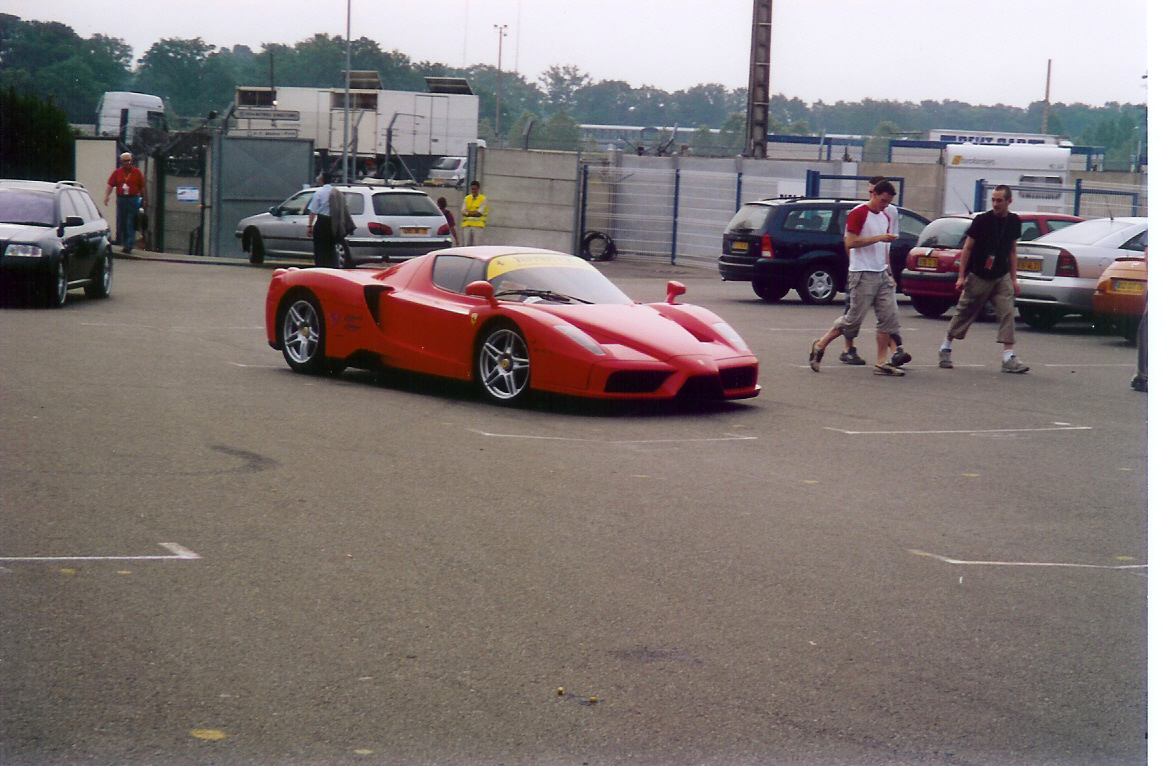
[503,365]
[301,324]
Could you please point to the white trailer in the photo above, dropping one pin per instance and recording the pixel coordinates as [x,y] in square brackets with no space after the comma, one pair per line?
[1026,168]
[408,123]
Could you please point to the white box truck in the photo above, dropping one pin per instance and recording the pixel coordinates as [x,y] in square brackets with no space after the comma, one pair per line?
[1026,168]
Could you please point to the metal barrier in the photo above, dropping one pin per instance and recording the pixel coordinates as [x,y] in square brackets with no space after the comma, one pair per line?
[1085,201]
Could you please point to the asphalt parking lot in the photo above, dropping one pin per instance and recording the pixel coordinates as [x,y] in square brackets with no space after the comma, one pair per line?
[208,559]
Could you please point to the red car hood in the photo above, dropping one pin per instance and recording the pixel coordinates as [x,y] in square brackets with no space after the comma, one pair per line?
[641,327]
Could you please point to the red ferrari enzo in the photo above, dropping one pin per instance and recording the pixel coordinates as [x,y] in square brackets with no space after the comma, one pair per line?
[510,319]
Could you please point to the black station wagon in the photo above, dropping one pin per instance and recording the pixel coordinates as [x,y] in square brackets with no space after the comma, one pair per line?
[779,244]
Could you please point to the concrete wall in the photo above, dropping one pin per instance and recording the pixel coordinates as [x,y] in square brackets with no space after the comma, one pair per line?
[94,160]
[924,184]
[532,197]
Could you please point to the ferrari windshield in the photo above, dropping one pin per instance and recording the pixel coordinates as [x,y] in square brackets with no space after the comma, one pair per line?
[551,278]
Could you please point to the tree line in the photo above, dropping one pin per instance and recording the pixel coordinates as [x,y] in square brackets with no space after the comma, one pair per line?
[51,60]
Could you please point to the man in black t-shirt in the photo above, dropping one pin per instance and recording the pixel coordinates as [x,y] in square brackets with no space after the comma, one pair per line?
[988,273]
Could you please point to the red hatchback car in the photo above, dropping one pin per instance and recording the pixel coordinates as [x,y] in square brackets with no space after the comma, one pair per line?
[929,278]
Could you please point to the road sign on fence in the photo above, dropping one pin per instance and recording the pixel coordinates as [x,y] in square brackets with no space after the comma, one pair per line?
[267,114]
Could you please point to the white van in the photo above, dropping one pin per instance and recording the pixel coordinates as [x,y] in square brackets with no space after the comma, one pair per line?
[142,111]
[1028,166]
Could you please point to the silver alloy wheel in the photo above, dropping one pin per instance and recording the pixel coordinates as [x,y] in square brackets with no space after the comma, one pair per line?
[60,285]
[504,365]
[301,335]
[821,285]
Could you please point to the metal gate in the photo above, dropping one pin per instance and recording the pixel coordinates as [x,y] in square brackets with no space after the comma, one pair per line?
[250,175]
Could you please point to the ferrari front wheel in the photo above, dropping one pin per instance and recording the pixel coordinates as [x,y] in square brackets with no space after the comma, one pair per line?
[301,324]
[503,365]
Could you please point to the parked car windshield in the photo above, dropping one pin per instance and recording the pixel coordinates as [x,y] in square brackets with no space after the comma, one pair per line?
[404,204]
[944,232]
[446,163]
[30,208]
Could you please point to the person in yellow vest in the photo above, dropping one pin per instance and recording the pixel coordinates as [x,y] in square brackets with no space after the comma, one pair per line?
[474,215]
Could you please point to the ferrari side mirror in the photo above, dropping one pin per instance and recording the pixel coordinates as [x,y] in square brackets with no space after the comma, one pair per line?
[482,289]
[673,290]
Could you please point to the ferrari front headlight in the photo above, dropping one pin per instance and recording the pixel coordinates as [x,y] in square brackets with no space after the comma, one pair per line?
[731,336]
[581,337]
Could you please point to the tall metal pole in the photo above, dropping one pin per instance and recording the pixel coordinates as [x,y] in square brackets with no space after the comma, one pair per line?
[758,90]
[348,78]
[499,76]
[1046,100]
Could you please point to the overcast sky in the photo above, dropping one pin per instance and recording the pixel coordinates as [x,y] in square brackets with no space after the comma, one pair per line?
[831,50]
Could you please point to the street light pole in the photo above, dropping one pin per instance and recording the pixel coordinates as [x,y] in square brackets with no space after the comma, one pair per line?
[502,29]
[348,78]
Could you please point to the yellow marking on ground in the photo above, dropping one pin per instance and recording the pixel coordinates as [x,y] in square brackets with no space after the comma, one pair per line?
[971,475]
[67,571]
[212,735]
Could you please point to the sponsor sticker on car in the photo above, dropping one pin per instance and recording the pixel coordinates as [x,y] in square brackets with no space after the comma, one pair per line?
[505,263]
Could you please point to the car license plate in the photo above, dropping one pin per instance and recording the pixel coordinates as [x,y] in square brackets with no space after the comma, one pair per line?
[739,246]
[414,231]
[927,262]
[1025,264]
[1129,286]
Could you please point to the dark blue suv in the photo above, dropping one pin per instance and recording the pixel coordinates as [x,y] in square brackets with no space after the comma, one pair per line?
[779,244]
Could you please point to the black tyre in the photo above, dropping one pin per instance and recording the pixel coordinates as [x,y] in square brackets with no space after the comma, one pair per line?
[769,291]
[502,364]
[255,248]
[301,324]
[598,246]
[56,286]
[1039,318]
[818,285]
[931,307]
[102,278]
[344,257]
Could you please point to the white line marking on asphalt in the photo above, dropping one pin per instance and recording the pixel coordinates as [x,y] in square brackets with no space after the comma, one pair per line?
[178,552]
[1088,365]
[959,562]
[726,438]
[956,431]
[257,366]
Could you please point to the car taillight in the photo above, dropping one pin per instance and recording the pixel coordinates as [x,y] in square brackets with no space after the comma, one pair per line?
[380,228]
[767,250]
[444,230]
[1067,266]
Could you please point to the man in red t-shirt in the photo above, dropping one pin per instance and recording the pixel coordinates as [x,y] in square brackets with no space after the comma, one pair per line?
[130,185]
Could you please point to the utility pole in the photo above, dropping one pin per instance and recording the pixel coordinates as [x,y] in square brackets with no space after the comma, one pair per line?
[758,90]
[502,29]
[348,77]
[1046,102]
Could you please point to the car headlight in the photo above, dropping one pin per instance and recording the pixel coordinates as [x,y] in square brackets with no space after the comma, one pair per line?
[731,336]
[24,251]
[581,337]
